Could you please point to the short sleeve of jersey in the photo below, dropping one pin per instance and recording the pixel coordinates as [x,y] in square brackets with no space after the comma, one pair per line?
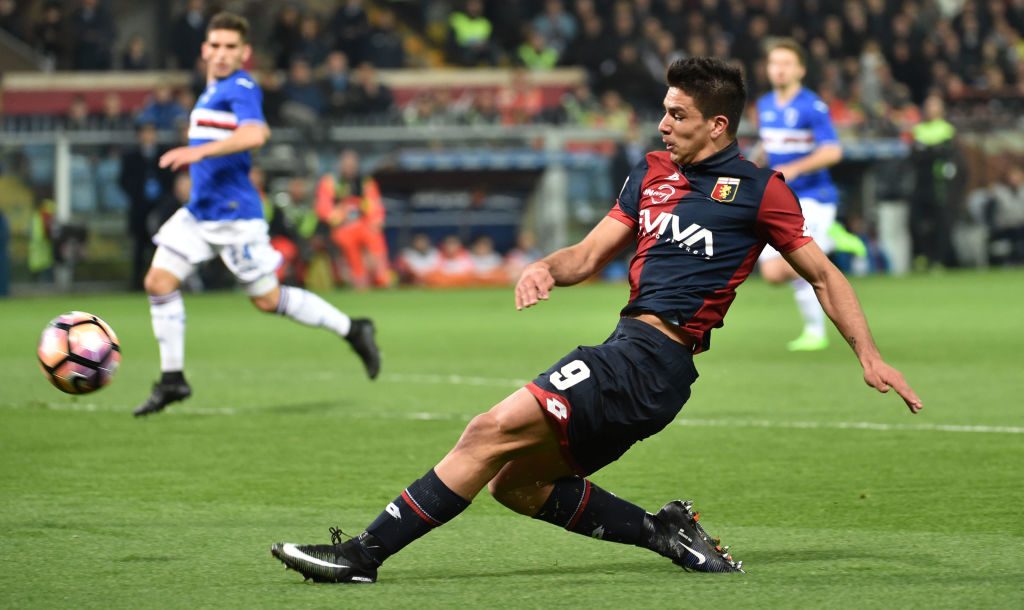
[246,100]
[779,219]
[627,207]
[821,123]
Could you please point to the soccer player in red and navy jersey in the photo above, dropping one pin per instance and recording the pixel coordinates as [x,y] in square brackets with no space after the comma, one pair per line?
[700,215]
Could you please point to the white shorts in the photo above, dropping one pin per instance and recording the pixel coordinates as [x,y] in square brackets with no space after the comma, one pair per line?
[244,245]
[818,217]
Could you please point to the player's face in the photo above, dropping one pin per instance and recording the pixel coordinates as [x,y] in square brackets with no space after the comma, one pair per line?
[784,69]
[224,52]
[685,132]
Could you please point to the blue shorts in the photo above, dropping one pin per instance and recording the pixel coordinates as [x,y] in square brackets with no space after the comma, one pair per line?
[601,399]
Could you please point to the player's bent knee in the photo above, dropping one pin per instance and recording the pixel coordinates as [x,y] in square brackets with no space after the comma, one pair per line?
[160,281]
[267,301]
[264,304]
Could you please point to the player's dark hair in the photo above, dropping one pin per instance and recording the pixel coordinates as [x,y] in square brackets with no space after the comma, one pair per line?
[790,45]
[716,87]
[229,21]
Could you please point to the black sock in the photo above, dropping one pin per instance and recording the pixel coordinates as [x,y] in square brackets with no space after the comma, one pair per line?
[582,507]
[424,505]
[172,377]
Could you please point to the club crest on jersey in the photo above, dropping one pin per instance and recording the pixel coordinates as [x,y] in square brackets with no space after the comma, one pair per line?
[725,189]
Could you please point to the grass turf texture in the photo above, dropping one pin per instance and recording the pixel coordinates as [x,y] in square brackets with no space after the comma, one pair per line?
[284,437]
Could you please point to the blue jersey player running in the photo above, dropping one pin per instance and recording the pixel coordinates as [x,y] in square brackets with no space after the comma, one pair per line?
[699,215]
[798,139]
[224,217]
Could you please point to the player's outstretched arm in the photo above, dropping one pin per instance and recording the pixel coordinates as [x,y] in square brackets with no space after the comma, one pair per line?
[573,264]
[245,137]
[842,307]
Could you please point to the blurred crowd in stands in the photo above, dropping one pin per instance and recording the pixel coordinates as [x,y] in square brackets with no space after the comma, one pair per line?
[919,70]
[872,60]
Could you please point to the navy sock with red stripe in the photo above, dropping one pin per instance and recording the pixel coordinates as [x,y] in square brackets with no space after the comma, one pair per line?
[582,507]
[421,507]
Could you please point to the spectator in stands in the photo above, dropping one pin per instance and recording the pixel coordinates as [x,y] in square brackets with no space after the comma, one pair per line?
[1007,217]
[310,44]
[418,260]
[369,99]
[42,234]
[937,169]
[580,107]
[512,15]
[455,267]
[11,19]
[469,41]
[488,265]
[592,49]
[630,77]
[623,26]
[524,253]
[615,113]
[384,45]
[335,79]
[188,32]
[663,52]
[304,100]
[350,204]
[135,56]
[50,37]
[350,27]
[434,107]
[536,53]
[520,100]
[93,32]
[558,26]
[78,117]
[114,117]
[484,109]
[284,36]
[162,110]
[145,184]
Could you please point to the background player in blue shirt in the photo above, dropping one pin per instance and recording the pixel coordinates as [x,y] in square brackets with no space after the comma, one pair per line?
[224,217]
[798,140]
[700,215]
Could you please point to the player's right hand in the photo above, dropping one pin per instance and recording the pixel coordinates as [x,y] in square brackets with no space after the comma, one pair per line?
[534,285]
[182,156]
[881,376]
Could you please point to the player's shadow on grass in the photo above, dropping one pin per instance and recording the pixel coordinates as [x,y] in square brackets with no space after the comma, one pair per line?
[582,571]
[342,405]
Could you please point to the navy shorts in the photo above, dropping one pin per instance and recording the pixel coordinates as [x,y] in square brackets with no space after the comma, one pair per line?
[601,399]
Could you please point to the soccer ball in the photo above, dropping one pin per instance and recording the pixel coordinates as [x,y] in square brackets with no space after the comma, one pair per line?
[78,352]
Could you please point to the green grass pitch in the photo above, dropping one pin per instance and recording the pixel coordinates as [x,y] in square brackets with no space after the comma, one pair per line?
[832,494]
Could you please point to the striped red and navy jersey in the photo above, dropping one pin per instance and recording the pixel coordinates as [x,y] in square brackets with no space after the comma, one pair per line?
[700,229]
[221,189]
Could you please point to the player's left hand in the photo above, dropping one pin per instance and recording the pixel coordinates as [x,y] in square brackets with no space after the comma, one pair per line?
[176,158]
[534,285]
[881,376]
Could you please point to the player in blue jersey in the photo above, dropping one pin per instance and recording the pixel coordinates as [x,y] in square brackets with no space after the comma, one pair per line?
[224,218]
[798,139]
[700,215]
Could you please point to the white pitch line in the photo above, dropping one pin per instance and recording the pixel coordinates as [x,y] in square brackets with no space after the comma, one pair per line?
[426,416]
[514,383]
